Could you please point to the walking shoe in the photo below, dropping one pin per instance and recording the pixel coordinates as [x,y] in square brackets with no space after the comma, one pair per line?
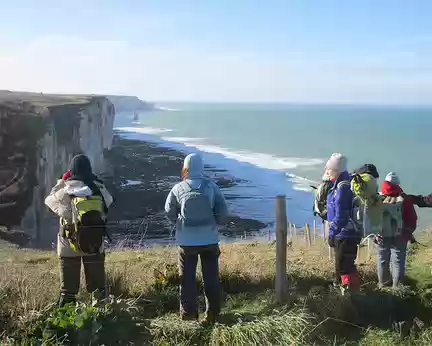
[65,299]
[352,281]
[336,283]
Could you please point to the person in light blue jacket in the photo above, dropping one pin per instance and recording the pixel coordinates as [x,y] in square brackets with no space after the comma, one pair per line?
[196,206]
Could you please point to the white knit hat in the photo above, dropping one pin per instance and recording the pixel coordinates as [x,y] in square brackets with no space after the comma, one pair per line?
[393,178]
[337,163]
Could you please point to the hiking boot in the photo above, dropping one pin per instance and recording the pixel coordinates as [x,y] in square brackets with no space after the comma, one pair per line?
[65,299]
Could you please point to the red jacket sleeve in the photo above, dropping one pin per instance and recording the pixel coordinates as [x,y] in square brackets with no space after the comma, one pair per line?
[409,215]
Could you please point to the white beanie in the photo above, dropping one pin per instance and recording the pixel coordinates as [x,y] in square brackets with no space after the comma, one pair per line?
[337,162]
[393,178]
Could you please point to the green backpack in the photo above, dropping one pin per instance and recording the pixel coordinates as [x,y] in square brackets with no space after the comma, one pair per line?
[364,186]
[89,228]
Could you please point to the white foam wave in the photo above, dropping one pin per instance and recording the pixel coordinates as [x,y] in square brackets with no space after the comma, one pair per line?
[131,183]
[143,130]
[166,109]
[258,159]
[264,176]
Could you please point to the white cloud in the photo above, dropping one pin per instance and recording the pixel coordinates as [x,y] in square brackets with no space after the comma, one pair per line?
[76,65]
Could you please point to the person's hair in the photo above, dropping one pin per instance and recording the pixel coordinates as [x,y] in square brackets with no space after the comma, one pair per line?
[184,173]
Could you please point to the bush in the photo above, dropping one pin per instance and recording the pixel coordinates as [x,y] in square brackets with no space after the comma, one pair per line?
[90,323]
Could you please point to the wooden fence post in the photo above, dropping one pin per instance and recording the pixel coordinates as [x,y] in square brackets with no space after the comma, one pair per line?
[324,226]
[281,250]
[314,230]
[327,229]
[291,232]
[309,237]
[295,233]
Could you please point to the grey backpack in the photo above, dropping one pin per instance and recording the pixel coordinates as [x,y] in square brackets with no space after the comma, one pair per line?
[195,206]
[392,216]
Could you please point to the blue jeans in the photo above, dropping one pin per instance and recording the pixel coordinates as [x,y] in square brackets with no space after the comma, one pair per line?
[391,250]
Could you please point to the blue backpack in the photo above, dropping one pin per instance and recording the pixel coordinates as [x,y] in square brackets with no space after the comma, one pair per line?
[195,205]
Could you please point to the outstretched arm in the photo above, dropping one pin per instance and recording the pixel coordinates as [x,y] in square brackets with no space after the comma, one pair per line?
[422,201]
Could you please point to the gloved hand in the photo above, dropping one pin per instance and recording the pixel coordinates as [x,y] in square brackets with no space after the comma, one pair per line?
[428,200]
[379,240]
[331,241]
[67,175]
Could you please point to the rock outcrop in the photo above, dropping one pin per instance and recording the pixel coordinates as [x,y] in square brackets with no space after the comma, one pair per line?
[129,103]
[39,134]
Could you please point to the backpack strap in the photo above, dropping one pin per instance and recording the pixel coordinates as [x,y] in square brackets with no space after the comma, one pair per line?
[342,183]
[201,189]
[204,185]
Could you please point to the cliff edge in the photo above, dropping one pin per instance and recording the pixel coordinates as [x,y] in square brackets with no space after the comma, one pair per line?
[39,135]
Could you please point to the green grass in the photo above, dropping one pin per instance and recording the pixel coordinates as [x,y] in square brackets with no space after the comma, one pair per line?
[143,310]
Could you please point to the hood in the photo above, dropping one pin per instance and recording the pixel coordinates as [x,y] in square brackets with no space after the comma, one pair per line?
[194,165]
[390,189]
[77,188]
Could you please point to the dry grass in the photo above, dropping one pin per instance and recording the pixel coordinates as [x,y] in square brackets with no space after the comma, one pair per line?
[29,280]
[29,284]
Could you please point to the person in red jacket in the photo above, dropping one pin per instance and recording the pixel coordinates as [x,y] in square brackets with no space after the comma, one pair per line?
[399,223]
[391,187]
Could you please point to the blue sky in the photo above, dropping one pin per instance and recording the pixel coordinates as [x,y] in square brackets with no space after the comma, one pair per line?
[261,51]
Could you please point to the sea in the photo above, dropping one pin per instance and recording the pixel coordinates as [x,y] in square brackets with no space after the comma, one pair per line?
[281,149]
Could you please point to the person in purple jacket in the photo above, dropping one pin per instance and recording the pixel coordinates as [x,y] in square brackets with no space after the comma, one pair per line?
[344,236]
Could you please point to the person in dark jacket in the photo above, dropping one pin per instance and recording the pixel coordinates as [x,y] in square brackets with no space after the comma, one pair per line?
[368,168]
[79,181]
[344,237]
[399,223]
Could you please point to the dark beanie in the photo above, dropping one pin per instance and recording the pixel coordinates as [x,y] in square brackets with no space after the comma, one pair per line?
[367,168]
[81,169]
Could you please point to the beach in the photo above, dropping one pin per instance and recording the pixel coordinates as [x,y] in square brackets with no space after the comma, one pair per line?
[140,175]
[282,148]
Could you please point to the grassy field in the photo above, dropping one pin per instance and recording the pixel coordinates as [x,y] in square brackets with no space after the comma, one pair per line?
[143,309]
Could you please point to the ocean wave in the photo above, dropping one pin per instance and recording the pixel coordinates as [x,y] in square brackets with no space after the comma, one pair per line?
[143,130]
[264,176]
[166,109]
[261,160]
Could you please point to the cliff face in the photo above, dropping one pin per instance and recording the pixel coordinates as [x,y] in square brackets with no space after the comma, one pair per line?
[129,103]
[38,138]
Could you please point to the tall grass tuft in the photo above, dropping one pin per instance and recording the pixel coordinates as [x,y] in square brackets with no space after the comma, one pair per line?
[293,327]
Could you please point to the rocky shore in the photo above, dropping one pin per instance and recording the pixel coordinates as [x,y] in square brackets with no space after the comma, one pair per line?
[140,175]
